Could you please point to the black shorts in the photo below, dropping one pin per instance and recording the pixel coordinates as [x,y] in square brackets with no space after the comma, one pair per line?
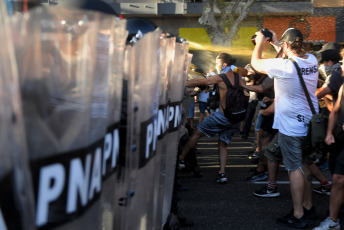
[339,165]
[267,125]
[336,150]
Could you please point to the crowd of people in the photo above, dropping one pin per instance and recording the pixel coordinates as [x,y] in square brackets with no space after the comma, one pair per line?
[279,113]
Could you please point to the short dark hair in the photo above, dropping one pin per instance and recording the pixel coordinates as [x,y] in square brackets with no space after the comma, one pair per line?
[330,55]
[226,58]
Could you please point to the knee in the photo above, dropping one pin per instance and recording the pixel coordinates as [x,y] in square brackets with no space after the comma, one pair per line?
[222,144]
[197,134]
[338,180]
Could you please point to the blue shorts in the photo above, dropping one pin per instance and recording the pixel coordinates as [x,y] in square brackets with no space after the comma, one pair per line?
[217,124]
[291,148]
[202,106]
[191,112]
[259,122]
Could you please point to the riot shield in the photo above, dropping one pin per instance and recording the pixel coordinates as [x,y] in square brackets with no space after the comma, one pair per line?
[143,101]
[16,192]
[166,63]
[57,99]
[112,137]
[176,86]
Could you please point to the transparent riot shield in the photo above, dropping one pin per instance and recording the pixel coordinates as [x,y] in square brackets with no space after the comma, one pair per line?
[143,104]
[176,86]
[56,52]
[123,169]
[166,63]
[112,137]
[16,191]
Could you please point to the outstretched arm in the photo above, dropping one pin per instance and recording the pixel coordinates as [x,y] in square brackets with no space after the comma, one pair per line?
[203,81]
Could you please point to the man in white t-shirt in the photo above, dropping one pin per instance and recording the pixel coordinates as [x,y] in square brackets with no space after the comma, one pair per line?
[292,113]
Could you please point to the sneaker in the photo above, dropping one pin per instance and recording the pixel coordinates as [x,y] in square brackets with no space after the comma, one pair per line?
[314,159]
[292,221]
[221,178]
[266,192]
[323,166]
[257,176]
[323,190]
[328,224]
[310,214]
[181,164]
[307,214]
[254,157]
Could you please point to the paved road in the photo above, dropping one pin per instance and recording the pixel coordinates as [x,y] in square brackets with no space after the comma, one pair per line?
[215,206]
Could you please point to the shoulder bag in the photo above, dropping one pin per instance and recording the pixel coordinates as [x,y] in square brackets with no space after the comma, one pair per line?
[315,139]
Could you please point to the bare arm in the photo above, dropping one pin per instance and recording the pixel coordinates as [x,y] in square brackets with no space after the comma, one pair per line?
[333,118]
[203,81]
[321,92]
[259,88]
[257,61]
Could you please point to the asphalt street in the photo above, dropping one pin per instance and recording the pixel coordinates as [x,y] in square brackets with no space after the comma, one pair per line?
[214,206]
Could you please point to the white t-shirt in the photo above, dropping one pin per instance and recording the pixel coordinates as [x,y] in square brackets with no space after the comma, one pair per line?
[292,111]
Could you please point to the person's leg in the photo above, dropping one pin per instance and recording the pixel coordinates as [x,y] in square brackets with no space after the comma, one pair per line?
[291,148]
[272,174]
[297,186]
[192,142]
[316,172]
[258,132]
[202,108]
[265,139]
[325,185]
[337,193]
[307,194]
[249,118]
[337,196]
[274,156]
[223,156]
[201,116]
[191,112]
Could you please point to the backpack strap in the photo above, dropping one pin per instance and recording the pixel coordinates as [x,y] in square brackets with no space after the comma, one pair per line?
[236,79]
[227,81]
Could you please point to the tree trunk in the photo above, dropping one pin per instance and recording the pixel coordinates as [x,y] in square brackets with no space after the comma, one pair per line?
[223,30]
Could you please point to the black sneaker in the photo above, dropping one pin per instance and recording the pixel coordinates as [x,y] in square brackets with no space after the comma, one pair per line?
[257,176]
[266,192]
[221,178]
[292,221]
[310,214]
[307,214]
[323,190]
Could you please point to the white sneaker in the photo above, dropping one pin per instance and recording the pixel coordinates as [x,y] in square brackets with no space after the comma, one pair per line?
[328,224]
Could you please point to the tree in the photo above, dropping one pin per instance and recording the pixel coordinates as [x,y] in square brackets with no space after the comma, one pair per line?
[223,30]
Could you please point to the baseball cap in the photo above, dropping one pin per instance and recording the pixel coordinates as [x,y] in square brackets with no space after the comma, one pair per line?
[330,55]
[330,46]
[292,35]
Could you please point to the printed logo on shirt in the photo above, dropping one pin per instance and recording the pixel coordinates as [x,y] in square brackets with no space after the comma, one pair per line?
[309,71]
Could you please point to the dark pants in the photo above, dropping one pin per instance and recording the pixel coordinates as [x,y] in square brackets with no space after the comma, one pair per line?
[251,110]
